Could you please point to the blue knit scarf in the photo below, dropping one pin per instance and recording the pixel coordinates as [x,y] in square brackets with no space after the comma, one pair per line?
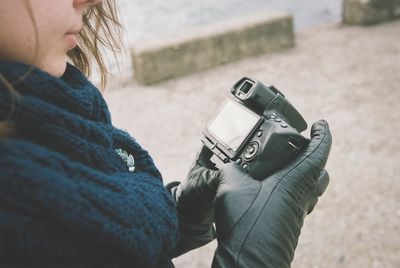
[66,195]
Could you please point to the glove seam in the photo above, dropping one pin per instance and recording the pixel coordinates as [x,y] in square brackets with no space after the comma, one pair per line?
[244,213]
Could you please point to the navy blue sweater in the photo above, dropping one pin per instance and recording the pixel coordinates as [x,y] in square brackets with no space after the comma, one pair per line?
[66,196]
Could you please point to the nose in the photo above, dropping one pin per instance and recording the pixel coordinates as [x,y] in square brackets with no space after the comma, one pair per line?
[86,3]
[95,2]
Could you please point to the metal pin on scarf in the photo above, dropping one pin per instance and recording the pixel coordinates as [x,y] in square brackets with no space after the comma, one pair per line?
[128,158]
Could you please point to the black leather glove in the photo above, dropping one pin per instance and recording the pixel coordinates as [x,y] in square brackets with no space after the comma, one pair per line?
[194,203]
[258,222]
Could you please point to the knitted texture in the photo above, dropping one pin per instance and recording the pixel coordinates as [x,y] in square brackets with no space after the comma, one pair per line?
[66,196]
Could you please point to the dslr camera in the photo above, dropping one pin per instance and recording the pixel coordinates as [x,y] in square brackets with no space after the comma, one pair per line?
[257,128]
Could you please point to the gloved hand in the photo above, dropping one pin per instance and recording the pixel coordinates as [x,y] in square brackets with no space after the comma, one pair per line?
[194,202]
[258,222]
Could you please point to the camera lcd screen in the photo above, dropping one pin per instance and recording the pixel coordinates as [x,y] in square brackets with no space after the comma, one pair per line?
[232,124]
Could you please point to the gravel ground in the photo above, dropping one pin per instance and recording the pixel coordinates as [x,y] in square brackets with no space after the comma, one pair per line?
[349,76]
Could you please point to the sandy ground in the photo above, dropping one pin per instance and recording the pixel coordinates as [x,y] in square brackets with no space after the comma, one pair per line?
[349,76]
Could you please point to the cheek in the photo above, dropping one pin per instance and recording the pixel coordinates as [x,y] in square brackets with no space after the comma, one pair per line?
[17,36]
[43,45]
[51,27]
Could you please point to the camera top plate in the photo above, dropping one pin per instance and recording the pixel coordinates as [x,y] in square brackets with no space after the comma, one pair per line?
[265,99]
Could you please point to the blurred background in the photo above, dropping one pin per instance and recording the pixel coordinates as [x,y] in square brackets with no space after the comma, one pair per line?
[343,68]
[149,20]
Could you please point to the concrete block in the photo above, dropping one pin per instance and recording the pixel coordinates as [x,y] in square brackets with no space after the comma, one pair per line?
[211,45]
[365,12]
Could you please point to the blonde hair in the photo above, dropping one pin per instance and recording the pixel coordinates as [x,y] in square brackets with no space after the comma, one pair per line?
[101,30]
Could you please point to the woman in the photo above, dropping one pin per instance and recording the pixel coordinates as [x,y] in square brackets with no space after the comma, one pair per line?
[76,191]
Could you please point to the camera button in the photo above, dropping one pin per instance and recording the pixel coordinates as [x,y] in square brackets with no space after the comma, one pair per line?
[238,161]
[245,167]
[284,125]
[278,120]
[259,133]
[251,150]
[223,158]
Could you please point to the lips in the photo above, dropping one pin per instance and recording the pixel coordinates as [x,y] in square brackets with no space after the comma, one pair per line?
[74,32]
[71,36]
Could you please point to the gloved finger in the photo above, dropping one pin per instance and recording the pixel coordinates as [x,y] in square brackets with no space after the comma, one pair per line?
[321,142]
[317,151]
[203,177]
[323,182]
[204,158]
[198,189]
[313,158]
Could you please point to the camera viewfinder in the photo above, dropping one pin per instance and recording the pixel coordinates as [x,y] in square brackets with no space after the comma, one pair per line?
[245,87]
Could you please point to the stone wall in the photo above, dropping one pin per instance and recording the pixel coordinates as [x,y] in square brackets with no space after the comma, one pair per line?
[364,12]
[211,45]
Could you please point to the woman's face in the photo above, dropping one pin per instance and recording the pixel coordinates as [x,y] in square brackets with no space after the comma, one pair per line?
[57,22]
